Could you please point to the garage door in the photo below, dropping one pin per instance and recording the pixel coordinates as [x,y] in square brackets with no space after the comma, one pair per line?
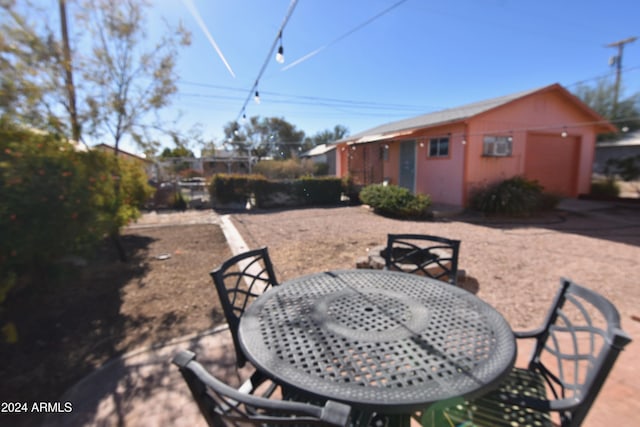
[553,161]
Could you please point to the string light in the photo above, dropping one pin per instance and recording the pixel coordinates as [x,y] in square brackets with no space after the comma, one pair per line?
[465,136]
[292,6]
[280,54]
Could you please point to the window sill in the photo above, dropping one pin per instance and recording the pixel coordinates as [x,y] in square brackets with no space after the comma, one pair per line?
[494,156]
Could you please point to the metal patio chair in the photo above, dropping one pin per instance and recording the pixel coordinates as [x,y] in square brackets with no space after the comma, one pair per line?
[432,256]
[574,352]
[240,280]
[223,405]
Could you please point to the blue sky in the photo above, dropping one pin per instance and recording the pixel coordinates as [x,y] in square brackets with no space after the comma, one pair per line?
[419,57]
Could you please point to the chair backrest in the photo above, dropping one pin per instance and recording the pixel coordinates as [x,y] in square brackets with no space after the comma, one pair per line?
[223,405]
[432,256]
[240,280]
[576,349]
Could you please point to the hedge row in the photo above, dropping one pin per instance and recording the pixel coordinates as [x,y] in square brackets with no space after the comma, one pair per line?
[236,190]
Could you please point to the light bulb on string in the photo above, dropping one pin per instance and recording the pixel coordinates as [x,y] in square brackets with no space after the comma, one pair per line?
[564,133]
[280,54]
[257,98]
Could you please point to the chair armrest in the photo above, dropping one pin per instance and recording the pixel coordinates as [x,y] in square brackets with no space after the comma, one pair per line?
[541,404]
[534,333]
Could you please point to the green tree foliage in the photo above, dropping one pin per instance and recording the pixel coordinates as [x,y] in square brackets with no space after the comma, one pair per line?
[326,136]
[176,152]
[30,74]
[127,82]
[262,137]
[601,98]
[121,78]
[58,201]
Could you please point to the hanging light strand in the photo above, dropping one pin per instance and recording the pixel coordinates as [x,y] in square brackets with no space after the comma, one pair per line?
[254,88]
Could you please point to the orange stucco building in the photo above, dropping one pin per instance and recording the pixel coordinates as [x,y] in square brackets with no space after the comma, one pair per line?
[545,134]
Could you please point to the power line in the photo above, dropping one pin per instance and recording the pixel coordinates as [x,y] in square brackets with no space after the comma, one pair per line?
[345,104]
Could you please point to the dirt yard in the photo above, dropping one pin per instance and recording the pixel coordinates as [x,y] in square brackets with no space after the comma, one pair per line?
[69,328]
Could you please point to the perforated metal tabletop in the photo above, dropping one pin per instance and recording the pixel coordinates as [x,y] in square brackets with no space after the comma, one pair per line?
[379,340]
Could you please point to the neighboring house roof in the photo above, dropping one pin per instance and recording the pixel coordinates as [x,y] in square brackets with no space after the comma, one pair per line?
[457,114]
[628,140]
[318,150]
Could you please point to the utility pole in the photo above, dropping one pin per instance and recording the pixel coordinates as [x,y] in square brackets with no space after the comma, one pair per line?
[617,61]
[71,92]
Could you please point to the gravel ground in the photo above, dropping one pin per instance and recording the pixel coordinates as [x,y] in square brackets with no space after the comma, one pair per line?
[515,265]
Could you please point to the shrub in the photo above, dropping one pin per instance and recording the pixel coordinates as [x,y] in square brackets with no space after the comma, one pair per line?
[225,189]
[321,169]
[515,196]
[179,203]
[395,201]
[605,188]
[57,201]
[284,169]
[351,190]
[318,191]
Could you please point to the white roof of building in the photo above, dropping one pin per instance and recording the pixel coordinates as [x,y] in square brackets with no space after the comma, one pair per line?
[627,140]
[318,150]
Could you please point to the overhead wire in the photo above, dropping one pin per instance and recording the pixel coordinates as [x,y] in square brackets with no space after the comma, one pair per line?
[349,106]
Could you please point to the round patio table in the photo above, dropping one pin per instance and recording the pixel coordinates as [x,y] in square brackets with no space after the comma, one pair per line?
[381,341]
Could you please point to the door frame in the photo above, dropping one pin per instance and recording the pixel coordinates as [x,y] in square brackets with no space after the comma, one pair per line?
[402,159]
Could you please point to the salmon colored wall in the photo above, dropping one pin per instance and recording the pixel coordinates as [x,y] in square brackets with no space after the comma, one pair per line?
[391,167]
[544,112]
[341,161]
[441,177]
[557,173]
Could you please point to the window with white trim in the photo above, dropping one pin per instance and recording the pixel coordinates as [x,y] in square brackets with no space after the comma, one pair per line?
[439,147]
[497,146]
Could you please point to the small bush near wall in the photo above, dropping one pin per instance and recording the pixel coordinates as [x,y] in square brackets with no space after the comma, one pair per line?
[515,196]
[237,189]
[605,188]
[394,201]
[233,189]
